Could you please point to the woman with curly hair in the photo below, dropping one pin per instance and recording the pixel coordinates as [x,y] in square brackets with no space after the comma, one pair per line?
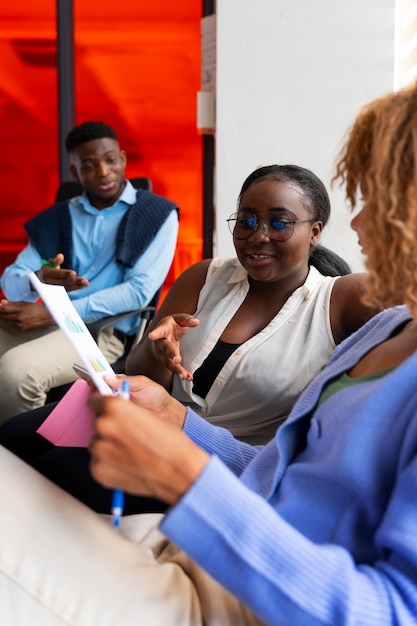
[378,167]
[318,526]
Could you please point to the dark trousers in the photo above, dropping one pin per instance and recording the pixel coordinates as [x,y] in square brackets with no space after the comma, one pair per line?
[66,467]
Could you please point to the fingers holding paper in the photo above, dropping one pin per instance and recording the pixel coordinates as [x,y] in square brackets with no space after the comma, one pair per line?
[150,395]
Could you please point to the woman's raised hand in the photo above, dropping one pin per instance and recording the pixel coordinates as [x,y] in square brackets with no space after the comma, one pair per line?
[165,338]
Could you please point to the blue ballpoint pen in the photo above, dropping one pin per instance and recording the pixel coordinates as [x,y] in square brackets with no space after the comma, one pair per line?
[118,495]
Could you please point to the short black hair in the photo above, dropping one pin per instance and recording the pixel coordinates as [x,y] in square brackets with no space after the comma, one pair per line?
[87,132]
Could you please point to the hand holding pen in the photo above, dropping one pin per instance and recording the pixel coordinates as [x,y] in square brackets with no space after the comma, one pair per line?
[118,495]
[52,274]
[139,445]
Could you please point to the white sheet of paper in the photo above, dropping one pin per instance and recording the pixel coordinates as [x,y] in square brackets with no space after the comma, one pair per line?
[62,310]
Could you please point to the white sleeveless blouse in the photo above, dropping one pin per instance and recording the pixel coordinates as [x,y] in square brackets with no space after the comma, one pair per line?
[263,378]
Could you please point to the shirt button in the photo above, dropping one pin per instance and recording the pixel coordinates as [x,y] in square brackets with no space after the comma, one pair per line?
[219,383]
[237,352]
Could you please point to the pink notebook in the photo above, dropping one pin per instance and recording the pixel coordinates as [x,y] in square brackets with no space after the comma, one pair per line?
[71,421]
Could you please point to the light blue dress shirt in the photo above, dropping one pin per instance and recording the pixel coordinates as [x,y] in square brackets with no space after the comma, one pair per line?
[113,287]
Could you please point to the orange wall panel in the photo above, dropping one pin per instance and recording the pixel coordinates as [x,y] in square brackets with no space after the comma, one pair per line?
[138,70]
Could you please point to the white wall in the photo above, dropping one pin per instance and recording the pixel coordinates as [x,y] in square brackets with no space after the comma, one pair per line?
[291,77]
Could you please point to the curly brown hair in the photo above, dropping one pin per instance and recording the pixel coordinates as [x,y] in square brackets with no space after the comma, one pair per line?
[378,164]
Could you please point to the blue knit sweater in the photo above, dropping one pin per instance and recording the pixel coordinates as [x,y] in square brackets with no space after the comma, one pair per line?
[51,231]
[327,536]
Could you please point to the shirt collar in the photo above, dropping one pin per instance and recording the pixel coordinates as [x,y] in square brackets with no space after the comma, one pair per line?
[239,274]
[128,194]
[128,197]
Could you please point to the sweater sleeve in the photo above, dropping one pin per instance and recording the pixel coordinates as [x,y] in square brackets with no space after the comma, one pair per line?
[283,577]
[215,440]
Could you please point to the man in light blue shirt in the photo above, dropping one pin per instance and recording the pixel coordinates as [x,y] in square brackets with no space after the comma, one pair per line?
[111,248]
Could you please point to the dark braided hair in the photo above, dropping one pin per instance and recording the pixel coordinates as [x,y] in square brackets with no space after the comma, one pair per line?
[87,132]
[313,191]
